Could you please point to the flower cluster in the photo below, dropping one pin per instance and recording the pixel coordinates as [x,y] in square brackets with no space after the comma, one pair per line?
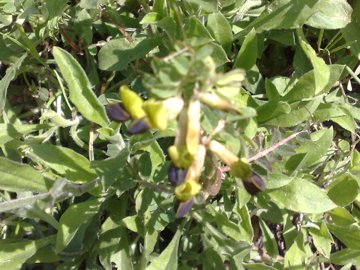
[190,147]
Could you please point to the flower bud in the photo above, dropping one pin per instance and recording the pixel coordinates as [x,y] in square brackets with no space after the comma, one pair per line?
[173,106]
[195,169]
[116,112]
[182,208]
[241,169]
[156,114]
[132,102]
[193,126]
[187,190]
[176,175]
[217,102]
[138,126]
[223,153]
[180,156]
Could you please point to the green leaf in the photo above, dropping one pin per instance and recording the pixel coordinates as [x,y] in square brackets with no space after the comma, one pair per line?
[303,196]
[351,32]
[322,239]
[79,86]
[209,6]
[73,221]
[16,177]
[248,53]
[168,259]
[272,109]
[8,132]
[291,14]
[321,70]
[276,180]
[8,77]
[197,32]
[300,112]
[221,30]
[14,254]
[269,241]
[114,170]
[114,246]
[296,255]
[258,266]
[283,14]
[118,53]
[345,256]
[316,148]
[306,87]
[340,216]
[349,235]
[334,14]
[343,190]
[150,18]
[64,161]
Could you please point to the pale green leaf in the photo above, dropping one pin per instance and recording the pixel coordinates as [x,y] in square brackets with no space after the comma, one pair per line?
[221,30]
[300,195]
[64,161]
[76,216]
[168,259]
[13,254]
[16,177]
[118,53]
[7,78]
[81,93]
[334,14]
[246,58]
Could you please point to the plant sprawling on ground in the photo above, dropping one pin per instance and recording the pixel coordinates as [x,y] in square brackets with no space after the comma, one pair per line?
[168,134]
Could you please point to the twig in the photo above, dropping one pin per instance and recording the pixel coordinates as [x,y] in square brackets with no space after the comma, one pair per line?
[273,147]
[266,151]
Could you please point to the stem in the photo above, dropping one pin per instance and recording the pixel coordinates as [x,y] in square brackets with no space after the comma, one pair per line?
[273,147]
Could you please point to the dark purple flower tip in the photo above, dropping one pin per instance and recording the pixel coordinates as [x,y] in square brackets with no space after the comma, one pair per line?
[138,126]
[176,175]
[254,185]
[116,112]
[184,207]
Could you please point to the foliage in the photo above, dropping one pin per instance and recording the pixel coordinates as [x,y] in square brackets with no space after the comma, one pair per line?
[179,134]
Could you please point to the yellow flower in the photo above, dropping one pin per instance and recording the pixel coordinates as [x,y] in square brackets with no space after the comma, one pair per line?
[180,156]
[132,102]
[156,113]
[187,190]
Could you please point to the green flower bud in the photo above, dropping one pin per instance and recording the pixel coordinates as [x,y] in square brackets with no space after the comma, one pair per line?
[252,182]
[241,169]
[180,156]
[156,113]
[187,190]
[132,102]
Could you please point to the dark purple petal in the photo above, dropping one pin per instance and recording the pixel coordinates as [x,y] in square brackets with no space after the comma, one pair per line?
[183,208]
[254,184]
[176,175]
[116,112]
[138,126]
[258,181]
